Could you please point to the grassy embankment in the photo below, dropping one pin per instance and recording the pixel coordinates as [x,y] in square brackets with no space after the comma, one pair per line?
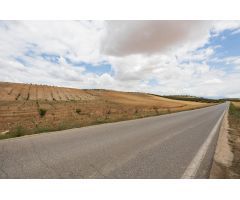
[234,138]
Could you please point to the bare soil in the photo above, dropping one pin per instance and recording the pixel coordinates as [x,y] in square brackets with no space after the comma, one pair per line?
[28,109]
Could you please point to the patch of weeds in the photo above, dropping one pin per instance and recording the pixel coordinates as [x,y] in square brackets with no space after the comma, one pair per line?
[42,129]
[233,139]
[233,110]
[16,132]
[99,120]
[42,112]
[19,131]
[67,125]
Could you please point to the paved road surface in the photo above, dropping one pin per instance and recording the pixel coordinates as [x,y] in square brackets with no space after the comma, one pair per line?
[155,147]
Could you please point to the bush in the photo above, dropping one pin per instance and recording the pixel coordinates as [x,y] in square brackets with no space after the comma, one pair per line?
[42,112]
[78,111]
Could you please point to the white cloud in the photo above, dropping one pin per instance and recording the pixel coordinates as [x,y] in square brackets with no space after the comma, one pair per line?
[219,26]
[170,52]
[78,40]
[232,60]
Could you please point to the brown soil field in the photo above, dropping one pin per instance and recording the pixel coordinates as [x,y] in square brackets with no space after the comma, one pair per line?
[28,108]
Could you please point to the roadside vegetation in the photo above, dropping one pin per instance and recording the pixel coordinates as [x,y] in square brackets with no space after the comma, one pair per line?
[16,132]
[234,138]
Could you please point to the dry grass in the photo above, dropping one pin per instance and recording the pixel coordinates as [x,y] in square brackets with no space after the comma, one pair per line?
[38,108]
[234,138]
[237,104]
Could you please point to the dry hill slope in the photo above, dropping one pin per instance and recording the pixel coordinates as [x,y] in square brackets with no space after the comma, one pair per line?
[28,108]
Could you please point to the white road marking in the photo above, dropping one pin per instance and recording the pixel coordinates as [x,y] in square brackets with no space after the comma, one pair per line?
[193,167]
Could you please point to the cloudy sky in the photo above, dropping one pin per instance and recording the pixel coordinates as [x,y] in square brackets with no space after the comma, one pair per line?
[199,58]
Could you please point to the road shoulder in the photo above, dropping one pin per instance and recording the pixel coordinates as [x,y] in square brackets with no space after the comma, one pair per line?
[223,156]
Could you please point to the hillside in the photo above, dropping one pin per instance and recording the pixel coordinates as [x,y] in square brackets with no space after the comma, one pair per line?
[29,109]
[196,99]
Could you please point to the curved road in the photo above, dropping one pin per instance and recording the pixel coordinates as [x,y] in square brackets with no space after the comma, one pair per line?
[178,145]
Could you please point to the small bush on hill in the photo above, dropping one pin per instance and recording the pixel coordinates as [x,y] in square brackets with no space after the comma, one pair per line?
[42,112]
[78,111]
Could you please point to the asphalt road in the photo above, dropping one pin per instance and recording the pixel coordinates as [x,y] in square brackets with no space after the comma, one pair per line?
[155,147]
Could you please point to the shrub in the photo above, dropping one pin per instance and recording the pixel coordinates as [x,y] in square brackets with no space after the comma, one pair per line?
[78,111]
[42,112]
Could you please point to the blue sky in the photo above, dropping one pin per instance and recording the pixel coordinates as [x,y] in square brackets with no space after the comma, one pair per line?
[199,58]
[99,68]
[228,42]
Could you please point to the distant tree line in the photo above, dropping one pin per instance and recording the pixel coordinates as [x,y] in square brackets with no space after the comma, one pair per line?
[197,99]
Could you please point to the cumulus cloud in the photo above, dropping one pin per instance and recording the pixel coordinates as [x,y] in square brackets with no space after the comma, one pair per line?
[28,50]
[77,39]
[219,26]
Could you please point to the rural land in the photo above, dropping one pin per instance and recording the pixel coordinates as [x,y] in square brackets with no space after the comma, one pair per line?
[28,109]
[115,150]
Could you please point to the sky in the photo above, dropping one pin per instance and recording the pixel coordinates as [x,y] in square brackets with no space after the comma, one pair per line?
[200,58]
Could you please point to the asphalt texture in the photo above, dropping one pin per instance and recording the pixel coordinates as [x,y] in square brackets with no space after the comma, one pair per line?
[153,147]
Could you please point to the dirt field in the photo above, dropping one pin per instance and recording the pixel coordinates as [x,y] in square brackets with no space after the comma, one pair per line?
[28,109]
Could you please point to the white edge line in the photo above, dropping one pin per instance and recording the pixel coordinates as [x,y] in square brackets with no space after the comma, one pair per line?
[193,167]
